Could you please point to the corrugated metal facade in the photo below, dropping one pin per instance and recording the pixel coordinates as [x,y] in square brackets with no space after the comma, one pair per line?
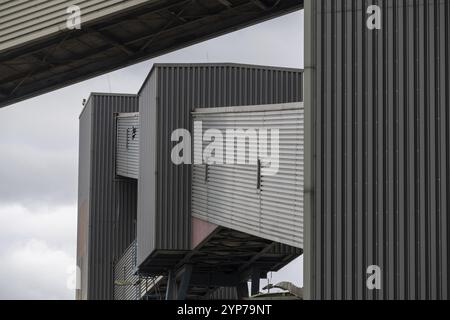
[146,217]
[167,98]
[224,293]
[378,102]
[84,187]
[29,20]
[111,202]
[127,145]
[262,199]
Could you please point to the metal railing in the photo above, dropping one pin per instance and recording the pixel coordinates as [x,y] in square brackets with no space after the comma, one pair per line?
[128,284]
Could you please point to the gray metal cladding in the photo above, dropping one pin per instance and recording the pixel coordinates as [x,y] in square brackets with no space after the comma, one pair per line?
[224,293]
[170,94]
[26,20]
[146,217]
[84,185]
[266,202]
[127,145]
[379,190]
[112,200]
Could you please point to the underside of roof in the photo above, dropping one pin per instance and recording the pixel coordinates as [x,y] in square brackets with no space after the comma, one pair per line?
[127,37]
[225,250]
[223,259]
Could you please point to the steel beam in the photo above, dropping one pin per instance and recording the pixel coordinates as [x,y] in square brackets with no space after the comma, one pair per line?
[184,282]
[171,286]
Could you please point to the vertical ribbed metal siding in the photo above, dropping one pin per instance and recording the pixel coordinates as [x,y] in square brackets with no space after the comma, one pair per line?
[229,195]
[146,226]
[113,202]
[381,148]
[84,186]
[224,293]
[127,145]
[179,90]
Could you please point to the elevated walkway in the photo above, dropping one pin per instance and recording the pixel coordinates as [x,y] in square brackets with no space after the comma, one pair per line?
[218,267]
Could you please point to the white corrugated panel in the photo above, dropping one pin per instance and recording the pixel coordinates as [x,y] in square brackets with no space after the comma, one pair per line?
[26,20]
[243,197]
[127,152]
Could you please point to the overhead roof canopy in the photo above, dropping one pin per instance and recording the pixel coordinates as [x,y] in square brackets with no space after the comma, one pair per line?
[38,54]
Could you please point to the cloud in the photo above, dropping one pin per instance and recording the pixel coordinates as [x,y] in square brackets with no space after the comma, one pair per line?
[293,272]
[34,271]
[37,248]
[35,176]
[54,225]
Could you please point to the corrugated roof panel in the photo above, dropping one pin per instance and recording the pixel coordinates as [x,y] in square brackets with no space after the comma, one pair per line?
[39,53]
[22,21]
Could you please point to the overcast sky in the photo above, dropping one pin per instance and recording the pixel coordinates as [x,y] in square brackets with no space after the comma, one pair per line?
[39,159]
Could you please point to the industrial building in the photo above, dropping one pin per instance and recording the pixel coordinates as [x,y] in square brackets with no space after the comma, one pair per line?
[153,229]
[107,206]
[376,140]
